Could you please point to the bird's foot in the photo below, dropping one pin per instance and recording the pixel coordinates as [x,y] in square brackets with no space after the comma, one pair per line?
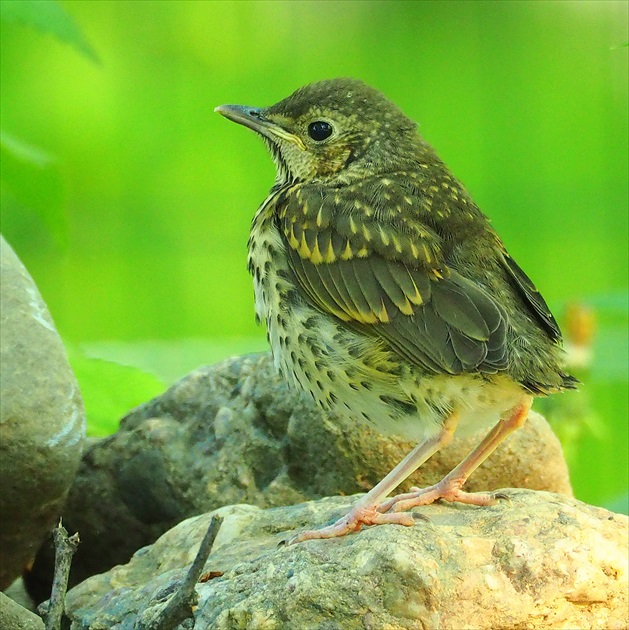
[448,490]
[354,521]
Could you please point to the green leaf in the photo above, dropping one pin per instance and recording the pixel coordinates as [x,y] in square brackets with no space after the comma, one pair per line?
[110,390]
[25,152]
[47,16]
[31,179]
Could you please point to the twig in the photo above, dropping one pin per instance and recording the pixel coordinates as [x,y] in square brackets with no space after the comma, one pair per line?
[179,606]
[65,547]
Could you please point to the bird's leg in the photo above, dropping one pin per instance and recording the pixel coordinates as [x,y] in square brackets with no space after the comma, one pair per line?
[449,488]
[365,511]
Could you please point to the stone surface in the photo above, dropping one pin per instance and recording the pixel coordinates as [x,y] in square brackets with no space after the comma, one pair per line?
[15,617]
[539,560]
[42,422]
[233,433]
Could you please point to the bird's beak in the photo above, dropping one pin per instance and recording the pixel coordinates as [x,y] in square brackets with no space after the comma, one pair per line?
[253,118]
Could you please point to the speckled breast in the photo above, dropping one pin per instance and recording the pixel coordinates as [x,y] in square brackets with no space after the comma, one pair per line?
[345,372]
[274,294]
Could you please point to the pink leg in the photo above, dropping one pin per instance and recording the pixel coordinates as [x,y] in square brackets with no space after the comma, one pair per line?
[365,511]
[449,488]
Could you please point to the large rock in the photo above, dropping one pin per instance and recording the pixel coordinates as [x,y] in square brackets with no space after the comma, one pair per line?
[42,422]
[234,433]
[540,560]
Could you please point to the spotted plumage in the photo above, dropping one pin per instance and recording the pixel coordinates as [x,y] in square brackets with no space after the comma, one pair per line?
[385,291]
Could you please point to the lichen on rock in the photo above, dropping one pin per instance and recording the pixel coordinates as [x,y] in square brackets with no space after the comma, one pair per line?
[538,560]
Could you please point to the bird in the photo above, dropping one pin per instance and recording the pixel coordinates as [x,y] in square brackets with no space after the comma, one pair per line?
[387,294]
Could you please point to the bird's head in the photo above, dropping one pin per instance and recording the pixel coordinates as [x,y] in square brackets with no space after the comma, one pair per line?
[334,129]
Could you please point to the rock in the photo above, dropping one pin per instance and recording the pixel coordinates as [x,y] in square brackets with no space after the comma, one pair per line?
[234,433]
[15,617]
[538,560]
[18,593]
[42,422]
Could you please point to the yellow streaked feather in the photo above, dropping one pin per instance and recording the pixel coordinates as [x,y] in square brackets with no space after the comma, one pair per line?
[427,253]
[383,316]
[292,239]
[417,298]
[315,255]
[364,318]
[347,252]
[406,308]
[303,250]
[319,219]
[329,255]
[341,314]
[384,237]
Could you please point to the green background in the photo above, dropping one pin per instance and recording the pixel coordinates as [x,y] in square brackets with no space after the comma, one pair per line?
[129,200]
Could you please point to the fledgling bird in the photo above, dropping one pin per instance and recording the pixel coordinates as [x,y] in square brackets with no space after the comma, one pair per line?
[386,292]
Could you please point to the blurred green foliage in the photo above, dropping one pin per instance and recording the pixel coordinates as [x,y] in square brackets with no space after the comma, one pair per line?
[110,389]
[129,200]
[47,16]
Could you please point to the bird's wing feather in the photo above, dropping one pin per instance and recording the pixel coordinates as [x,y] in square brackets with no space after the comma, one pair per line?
[531,296]
[362,262]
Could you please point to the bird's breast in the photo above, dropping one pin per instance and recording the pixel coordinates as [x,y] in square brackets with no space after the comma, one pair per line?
[274,293]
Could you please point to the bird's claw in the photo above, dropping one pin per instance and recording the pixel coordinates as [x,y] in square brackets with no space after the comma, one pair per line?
[354,521]
[501,496]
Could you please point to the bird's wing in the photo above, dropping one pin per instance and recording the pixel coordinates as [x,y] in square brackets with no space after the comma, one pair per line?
[531,297]
[356,257]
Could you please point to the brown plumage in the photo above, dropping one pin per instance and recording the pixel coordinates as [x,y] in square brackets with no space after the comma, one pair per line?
[386,293]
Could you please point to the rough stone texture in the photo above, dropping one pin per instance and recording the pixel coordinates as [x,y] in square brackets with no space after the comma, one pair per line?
[233,433]
[540,560]
[42,422]
[18,593]
[15,617]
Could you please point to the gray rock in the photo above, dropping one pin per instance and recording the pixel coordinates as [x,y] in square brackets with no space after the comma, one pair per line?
[233,433]
[16,617]
[540,560]
[42,422]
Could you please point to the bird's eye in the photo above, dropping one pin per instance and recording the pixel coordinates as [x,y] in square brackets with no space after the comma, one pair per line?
[320,130]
